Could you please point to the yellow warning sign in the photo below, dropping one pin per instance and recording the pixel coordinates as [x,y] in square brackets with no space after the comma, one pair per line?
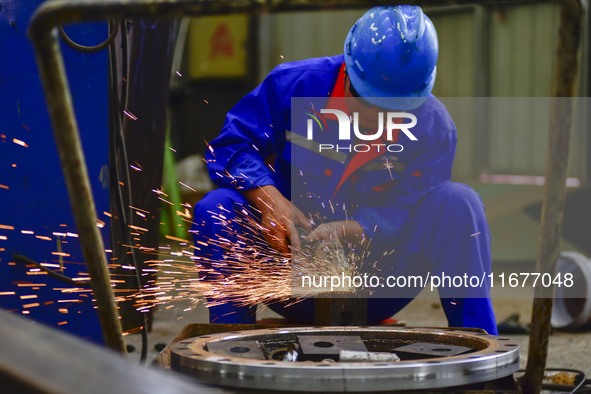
[217,46]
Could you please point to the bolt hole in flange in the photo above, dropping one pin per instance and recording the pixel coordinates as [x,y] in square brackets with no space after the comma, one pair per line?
[323,344]
[239,349]
[442,359]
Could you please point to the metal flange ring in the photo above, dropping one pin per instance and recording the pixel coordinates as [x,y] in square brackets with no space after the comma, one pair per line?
[224,360]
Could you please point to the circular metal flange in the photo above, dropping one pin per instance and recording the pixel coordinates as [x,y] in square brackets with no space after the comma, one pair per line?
[224,360]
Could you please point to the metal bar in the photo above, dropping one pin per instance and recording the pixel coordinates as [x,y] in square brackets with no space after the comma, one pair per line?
[38,359]
[58,12]
[59,104]
[563,85]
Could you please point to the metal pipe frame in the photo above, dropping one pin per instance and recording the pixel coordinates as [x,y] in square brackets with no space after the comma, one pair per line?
[557,152]
[54,13]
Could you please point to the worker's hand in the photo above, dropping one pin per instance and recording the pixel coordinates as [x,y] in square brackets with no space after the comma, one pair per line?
[279,217]
[348,230]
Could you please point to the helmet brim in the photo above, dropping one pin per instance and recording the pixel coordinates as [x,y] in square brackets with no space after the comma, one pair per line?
[383,99]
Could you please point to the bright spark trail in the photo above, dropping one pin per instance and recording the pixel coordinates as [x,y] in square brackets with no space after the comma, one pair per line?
[250,273]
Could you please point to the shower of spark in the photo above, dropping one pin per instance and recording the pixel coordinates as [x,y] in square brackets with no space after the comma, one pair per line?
[249,272]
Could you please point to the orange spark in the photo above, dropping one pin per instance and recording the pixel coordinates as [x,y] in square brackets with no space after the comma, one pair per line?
[19,142]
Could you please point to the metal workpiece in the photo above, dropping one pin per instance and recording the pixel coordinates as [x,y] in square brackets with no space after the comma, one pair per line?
[323,347]
[484,358]
[422,349]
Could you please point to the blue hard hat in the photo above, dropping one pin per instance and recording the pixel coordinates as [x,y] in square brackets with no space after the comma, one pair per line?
[391,55]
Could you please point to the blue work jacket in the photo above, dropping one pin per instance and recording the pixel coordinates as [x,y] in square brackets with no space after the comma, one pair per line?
[263,142]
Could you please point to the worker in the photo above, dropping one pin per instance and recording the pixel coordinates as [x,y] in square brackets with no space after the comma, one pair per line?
[392,189]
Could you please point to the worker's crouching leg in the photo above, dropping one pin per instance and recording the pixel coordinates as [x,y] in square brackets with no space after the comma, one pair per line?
[457,244]
[217,224]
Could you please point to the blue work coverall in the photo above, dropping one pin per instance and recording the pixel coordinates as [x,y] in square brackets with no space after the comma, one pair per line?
[419,222]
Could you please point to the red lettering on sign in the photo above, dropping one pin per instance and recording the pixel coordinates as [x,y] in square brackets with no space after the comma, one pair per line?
[221,42]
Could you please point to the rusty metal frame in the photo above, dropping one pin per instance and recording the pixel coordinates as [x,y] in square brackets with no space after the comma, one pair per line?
[54,13]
